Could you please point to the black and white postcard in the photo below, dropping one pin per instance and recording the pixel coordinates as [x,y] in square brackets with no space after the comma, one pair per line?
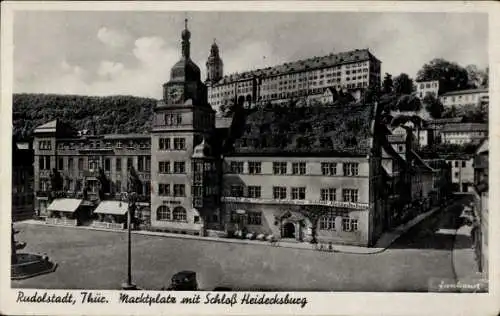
[249,158]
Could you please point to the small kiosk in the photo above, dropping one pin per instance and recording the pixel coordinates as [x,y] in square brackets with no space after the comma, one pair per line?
[111,215]
[64,212]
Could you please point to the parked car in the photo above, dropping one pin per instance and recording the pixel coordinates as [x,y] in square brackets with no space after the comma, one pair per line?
[183,281]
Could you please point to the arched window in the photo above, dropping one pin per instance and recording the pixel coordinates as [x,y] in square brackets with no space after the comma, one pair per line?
[163,213]
[179,214]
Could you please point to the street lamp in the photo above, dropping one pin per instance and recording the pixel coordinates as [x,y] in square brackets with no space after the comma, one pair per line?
[131,198]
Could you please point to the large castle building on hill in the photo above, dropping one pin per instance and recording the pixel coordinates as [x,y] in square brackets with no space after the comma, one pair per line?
[348,191]
[307,79]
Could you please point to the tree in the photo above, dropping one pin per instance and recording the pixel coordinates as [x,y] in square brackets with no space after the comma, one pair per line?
[387,85]
[104,184]
[56,181]
[403,84]
[433,105]
[408,103]
[450,75]
[134,183]
[475,76]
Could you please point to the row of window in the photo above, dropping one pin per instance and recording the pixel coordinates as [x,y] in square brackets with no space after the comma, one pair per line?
[327,223]
[94,163]
[45,145]
[179,143]
[296,193]
[298,168]
[97,145]
[173,119]
[164,167]
[179,190]
[77,186]
[178,214]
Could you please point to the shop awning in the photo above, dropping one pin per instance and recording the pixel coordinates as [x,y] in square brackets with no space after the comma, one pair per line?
[112,207]
[64,205]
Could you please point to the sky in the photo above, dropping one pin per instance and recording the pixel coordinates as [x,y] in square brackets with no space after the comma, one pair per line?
[131,53]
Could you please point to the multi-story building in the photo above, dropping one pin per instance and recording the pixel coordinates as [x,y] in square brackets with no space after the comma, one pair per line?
[481,167]
[462,172]
[22,180]
[303,79]
[465,98]
[83,163]
[425,88]
[184,168]
[435,126]
[192,184]
[464,133]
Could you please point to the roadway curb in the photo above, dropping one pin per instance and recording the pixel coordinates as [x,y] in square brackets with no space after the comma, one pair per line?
[393,236]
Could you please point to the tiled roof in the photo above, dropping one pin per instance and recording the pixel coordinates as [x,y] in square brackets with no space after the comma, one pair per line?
[469,91]
[345,127]
[465,127]
[357,55]
[446,120]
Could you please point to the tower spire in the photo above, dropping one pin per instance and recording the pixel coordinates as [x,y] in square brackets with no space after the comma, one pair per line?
[185,39]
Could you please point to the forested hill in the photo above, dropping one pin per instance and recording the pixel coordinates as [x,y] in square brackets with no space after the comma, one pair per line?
[110,114]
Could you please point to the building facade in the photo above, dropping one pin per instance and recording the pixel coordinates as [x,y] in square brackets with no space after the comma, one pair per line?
[184,176]
[275,195]
[463,133]
[481,171]
[22,181]
[465,98]
[424,88]
[462,172]
[89,167]
[347,71]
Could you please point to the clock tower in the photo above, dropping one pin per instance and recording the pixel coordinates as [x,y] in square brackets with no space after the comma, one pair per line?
[181,121]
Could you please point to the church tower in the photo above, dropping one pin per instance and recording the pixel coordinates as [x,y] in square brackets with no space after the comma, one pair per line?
[182,120]
[214,65]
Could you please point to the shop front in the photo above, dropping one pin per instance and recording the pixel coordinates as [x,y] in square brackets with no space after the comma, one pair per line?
[64,212]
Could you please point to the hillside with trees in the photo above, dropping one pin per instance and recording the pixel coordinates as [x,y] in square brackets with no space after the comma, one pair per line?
[104,115]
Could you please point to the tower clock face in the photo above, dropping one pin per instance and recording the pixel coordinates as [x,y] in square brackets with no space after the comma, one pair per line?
[175,94]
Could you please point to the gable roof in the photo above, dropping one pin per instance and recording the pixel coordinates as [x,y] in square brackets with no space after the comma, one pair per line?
[49,127]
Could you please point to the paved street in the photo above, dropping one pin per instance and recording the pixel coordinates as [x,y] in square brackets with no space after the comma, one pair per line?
[96,259]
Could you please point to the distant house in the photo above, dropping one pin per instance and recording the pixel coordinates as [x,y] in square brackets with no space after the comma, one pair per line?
[464,133]
[462,172]
[328,96]
[464,98]
[427,88]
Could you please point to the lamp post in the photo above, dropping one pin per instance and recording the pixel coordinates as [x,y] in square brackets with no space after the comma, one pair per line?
[131,197]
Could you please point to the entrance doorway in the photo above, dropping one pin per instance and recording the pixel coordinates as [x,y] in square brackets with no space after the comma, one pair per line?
[289,230]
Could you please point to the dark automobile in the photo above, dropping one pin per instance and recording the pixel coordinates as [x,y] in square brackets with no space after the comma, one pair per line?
[183,281]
